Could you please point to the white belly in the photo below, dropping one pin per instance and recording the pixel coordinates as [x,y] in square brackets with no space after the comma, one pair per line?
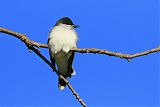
[62,38]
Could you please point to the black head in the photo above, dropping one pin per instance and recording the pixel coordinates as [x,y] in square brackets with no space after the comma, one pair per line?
[67,21]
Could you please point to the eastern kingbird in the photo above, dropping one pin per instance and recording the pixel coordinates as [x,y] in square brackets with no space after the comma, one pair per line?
[62,38]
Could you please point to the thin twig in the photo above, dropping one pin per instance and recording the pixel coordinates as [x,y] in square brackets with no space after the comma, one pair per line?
[54,69]
[30,45]
[116,54]
[73,91]
[25,39]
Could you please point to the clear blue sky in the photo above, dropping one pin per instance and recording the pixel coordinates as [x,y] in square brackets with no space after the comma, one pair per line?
[126,26]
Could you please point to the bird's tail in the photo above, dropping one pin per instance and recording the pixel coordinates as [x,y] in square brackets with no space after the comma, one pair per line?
[61,83]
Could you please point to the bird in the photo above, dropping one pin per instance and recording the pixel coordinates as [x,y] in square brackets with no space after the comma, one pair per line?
[62,38]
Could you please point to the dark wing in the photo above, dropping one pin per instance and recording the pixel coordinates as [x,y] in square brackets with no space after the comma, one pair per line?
[52,58]
[70,61]
[51,55]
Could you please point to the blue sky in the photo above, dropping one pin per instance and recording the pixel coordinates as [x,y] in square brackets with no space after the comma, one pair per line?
[126,26]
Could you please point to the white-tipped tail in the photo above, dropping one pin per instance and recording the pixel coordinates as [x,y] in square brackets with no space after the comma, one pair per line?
[61,84]
[61,87]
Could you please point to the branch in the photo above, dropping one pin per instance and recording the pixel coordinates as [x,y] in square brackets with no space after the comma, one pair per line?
[54,69]
[116,54]
[29,43]
[26,40]
[23,38]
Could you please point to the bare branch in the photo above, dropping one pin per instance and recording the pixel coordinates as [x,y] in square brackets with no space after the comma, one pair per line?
[27,41]
[74,92]
[30,45]
[54,69]
[23,38]
[116,54]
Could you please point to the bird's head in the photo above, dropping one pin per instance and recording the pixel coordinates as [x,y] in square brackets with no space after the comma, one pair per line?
[66,21]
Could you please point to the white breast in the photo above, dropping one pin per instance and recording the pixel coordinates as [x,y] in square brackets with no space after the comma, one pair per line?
[63,38]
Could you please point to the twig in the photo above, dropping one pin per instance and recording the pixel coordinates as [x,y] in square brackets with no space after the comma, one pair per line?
[73,91]
[116,54]
[30,45]
[54,69]
[25,39]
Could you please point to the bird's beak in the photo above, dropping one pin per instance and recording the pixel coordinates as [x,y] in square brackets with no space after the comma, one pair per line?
[75,26]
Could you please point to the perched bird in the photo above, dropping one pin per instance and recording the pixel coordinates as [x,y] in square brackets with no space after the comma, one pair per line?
[62,38]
